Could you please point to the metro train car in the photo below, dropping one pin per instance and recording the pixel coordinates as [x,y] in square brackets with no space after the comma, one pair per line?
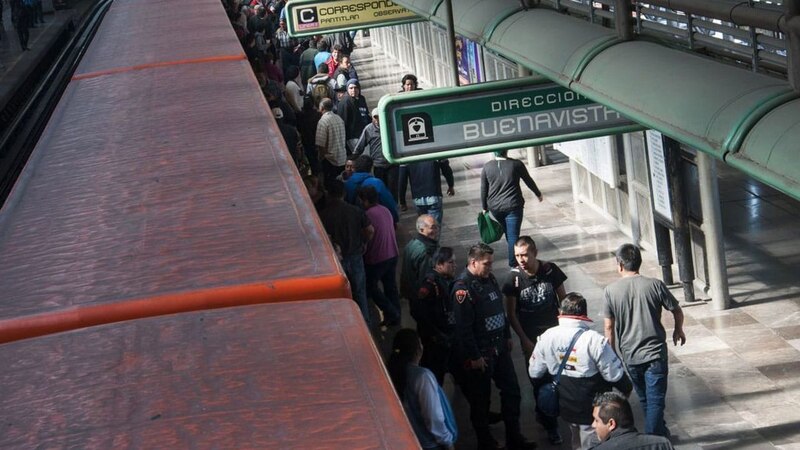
[159,203]
[161,184]
[299,375]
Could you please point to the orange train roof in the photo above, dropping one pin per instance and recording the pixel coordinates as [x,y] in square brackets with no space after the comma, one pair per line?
[160,173]
[288,375]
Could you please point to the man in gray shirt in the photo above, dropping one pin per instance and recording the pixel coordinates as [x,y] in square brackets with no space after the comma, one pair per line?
[632,312]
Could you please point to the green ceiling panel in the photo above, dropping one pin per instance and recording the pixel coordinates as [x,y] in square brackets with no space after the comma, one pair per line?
[425,8]
[750,120]
[550,43]
[771,151]
[476,19]
[695,100]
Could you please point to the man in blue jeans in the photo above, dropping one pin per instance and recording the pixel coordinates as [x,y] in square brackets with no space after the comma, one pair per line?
[632,312]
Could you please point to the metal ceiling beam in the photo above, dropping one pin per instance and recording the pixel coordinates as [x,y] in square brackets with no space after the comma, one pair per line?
[736,12]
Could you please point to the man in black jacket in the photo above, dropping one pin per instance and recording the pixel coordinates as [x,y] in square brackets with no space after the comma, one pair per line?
[432,308]
[426,186]
[613,423]
[355,114]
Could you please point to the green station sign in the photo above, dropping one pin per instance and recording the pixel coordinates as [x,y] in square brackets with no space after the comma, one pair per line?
[479,118]
[310,17]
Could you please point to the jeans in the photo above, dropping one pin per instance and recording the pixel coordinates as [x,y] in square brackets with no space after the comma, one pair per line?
[511,221]
[435,210]
[353,266]
[650,381]
[387,300]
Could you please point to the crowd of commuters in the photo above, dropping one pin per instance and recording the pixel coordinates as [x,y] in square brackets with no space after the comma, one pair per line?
[464,318]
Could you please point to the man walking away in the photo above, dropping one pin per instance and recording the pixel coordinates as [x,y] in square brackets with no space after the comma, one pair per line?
[632,311]
[502,196]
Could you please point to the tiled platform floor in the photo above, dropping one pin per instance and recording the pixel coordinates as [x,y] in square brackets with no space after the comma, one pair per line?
[736,382]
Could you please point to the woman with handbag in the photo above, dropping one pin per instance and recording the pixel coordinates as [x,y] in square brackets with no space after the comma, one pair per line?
[502,196]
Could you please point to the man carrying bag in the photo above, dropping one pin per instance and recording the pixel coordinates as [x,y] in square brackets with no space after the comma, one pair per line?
[590,366]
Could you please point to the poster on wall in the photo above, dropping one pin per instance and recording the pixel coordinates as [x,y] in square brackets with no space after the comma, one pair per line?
[659,177]
[468,58]
[596,155]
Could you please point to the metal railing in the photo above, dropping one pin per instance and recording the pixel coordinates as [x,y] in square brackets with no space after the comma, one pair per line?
[758,49]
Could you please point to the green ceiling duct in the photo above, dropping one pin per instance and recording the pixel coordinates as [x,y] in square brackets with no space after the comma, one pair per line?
[749,120]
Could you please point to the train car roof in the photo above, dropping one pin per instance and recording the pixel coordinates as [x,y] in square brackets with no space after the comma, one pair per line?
[161,172]
[289,375]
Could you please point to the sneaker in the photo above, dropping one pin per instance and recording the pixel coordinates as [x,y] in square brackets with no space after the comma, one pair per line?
[554,437]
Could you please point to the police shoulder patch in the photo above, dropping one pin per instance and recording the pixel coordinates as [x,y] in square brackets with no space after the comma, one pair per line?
[423,292]
[461,295]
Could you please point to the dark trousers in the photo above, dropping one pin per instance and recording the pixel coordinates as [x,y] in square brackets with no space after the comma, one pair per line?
[311,156]
[477,388]
[436,357]
[390,177]
[387,300]
[24,35]
[330,172]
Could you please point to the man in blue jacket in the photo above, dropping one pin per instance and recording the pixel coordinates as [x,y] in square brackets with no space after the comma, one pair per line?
[363,177]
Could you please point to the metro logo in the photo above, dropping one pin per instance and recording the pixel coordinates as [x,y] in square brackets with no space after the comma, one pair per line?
[307,18]
[310,17]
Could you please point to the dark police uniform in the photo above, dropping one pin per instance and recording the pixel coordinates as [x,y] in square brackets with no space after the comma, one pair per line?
[482,330]
[537,310]
[433,310]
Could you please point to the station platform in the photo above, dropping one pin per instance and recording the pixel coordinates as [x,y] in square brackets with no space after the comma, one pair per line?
[736,382]
[17,65]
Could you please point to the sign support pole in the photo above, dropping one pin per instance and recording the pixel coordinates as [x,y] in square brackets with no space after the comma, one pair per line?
[712,229]
[681,232]
[451,36]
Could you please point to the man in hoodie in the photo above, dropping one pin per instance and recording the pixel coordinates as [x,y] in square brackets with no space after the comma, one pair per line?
[362,178]
[370,140]
[355,114]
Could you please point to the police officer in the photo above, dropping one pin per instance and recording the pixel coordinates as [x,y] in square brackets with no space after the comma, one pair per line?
[433,310]
[484,349]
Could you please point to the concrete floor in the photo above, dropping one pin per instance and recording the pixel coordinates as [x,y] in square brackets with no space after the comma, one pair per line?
[736,382]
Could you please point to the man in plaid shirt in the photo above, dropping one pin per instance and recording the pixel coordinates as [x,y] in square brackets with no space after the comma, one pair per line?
[287,46]
[330,141]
